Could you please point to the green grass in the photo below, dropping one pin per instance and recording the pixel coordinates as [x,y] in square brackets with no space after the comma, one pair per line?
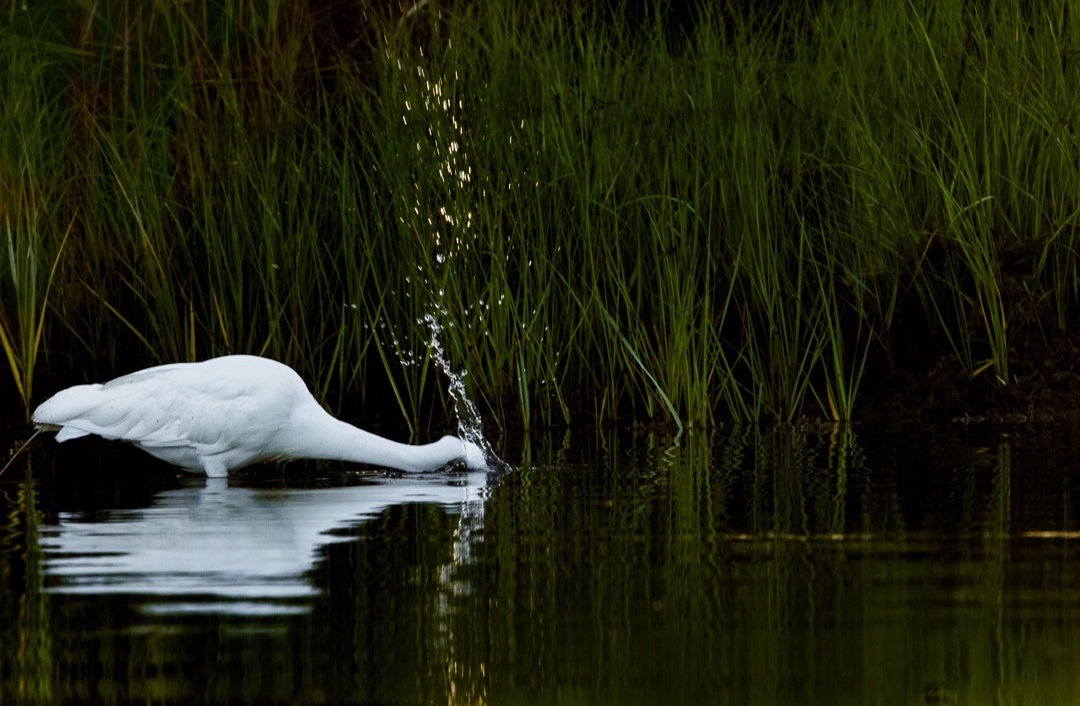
[611,221]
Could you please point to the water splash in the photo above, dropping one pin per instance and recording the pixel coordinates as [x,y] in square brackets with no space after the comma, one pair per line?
[470,425]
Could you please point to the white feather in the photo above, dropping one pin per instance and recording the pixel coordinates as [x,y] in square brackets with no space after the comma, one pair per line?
[229,412]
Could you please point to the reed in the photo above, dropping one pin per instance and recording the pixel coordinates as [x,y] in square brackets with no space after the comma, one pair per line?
[32,181]
[609,219]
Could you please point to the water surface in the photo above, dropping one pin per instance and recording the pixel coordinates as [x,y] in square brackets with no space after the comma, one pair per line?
[913,566]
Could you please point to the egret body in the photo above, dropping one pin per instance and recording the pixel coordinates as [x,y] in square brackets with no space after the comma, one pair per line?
[229,412]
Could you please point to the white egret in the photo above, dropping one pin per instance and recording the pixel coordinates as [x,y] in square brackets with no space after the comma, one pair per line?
[229,412]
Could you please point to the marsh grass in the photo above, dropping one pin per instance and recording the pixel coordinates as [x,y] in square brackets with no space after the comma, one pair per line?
[33,231]
[615,220]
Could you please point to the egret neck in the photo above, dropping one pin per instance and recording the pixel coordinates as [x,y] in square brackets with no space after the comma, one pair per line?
[314,433]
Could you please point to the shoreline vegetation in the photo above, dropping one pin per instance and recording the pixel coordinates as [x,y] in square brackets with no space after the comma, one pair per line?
[826,213]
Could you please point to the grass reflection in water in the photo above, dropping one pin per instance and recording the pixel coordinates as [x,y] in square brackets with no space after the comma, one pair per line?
[747,567]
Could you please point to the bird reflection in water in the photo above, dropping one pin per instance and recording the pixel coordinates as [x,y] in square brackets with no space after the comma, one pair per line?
[237,550]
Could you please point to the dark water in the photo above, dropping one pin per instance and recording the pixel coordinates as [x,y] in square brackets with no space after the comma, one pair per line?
[919,566]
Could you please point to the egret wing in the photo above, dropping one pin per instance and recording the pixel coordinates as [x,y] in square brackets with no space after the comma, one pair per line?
[160,407]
